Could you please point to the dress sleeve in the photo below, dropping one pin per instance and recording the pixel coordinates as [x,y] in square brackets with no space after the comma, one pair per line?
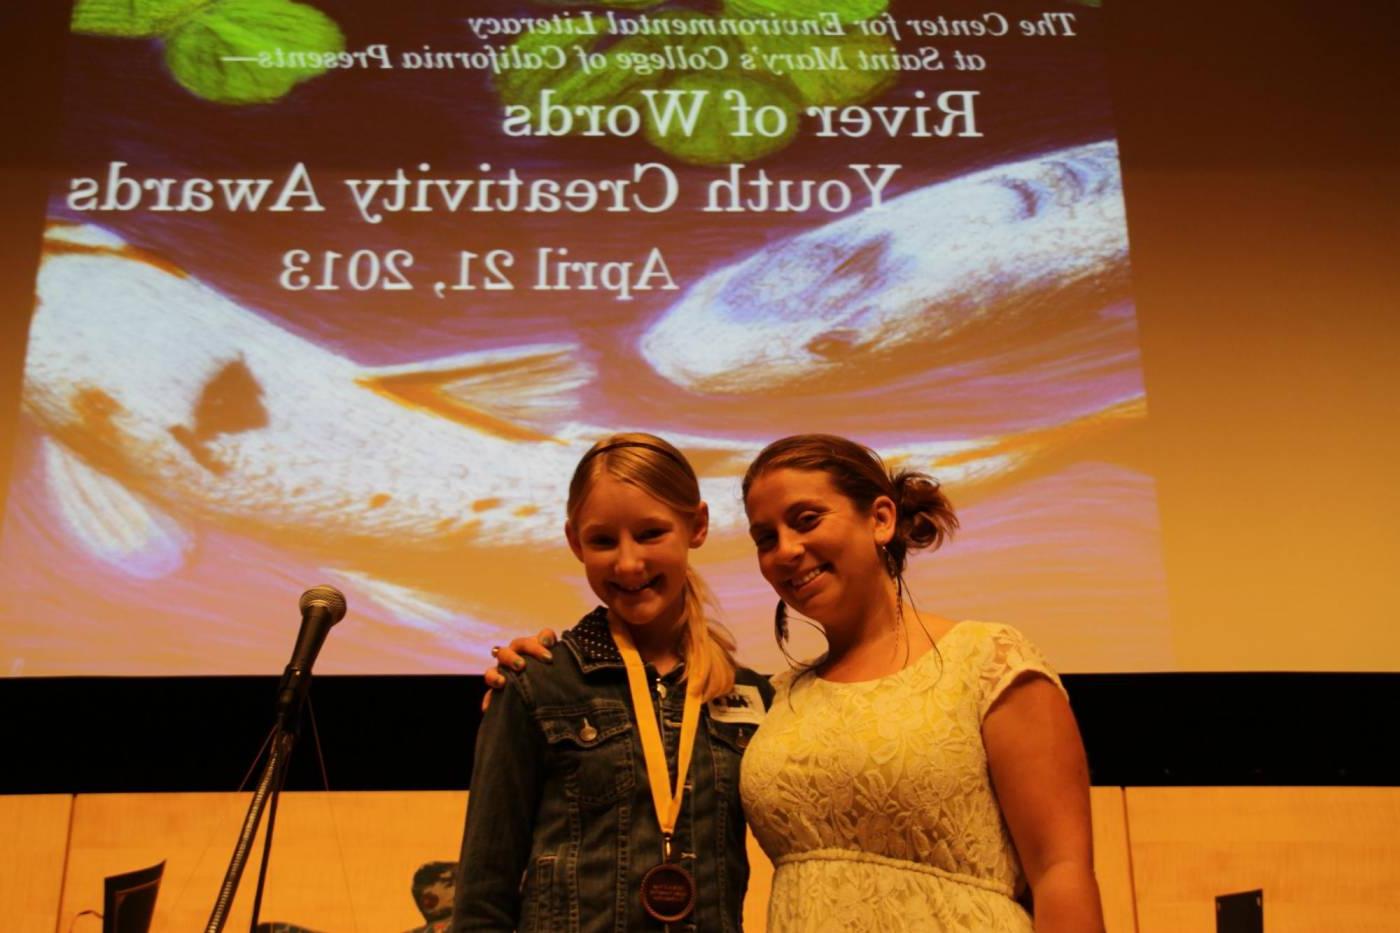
[1006,657]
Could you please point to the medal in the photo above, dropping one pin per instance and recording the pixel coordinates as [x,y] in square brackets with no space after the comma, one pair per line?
[668,890]
[668,893]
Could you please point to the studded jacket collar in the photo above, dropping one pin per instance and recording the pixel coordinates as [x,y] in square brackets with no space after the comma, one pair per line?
[592,643]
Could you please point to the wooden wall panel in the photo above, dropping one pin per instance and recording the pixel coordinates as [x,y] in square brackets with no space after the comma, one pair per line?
[340,862]
[1112,865]
[1327,858]
[34,830]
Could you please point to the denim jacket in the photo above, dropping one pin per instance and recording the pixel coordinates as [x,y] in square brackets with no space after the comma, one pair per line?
[560,823]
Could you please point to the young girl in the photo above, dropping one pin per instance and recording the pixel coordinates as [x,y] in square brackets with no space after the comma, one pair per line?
[605,789]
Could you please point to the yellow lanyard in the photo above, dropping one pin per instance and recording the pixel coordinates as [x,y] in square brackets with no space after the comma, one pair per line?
[667,803]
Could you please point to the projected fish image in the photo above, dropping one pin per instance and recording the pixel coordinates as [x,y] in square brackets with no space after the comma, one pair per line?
[931,277]
[393,475]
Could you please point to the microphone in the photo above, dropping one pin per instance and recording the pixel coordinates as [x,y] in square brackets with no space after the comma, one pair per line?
[321,607]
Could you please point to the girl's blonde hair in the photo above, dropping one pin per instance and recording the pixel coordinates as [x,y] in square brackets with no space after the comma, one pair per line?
[662,472]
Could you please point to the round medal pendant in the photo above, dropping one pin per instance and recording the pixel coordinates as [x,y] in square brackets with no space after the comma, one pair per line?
[668,893]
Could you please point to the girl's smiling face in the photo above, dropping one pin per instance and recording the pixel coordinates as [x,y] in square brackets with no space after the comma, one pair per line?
[818,551]
[635,551]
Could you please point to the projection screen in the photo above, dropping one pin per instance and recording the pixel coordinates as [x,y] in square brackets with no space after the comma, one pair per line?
[340,291]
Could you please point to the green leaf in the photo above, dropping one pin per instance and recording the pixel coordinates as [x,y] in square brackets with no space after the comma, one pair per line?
[827,86]
[689,42]
[611,84]
[847,11]
[713,141]
[131,19]
[612,4]
[214,52]
[619,81]
[570,84]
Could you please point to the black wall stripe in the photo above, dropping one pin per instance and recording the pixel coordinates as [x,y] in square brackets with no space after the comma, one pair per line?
[90,735]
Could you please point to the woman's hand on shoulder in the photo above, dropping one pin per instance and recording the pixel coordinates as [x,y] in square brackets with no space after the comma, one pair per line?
[512,658]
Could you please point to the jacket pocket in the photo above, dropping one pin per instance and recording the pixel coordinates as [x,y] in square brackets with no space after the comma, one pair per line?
[593,743]
[538,910]
[727,744]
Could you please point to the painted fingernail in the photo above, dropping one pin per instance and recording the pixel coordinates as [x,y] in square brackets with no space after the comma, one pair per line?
[547,640]
[519,664]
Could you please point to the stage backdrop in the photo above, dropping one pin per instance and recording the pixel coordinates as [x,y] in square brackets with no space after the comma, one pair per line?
[340,291]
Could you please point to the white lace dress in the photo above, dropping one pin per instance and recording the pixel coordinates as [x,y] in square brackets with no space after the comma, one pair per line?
[874,801]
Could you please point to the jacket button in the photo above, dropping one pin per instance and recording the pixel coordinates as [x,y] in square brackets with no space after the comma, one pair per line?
[743,740]
[586,732]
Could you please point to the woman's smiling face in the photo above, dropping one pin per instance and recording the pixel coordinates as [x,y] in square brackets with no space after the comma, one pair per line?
[818,551]
[635,550]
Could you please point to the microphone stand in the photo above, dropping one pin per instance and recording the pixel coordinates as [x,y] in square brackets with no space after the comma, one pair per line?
[269,787]
[321,608]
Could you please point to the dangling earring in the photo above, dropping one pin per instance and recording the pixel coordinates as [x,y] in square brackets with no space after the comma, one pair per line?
[888,559]
[780,622]
[899,604]
[898,578]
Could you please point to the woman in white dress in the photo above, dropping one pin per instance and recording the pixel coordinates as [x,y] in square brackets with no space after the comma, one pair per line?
[922,772]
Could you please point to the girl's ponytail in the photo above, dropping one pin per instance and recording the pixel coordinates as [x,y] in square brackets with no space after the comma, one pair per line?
[709,649]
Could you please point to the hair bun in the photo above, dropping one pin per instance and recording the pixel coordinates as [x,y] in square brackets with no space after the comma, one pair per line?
[925,516]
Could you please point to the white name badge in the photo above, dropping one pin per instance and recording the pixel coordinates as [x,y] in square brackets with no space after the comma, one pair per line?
[743,704]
